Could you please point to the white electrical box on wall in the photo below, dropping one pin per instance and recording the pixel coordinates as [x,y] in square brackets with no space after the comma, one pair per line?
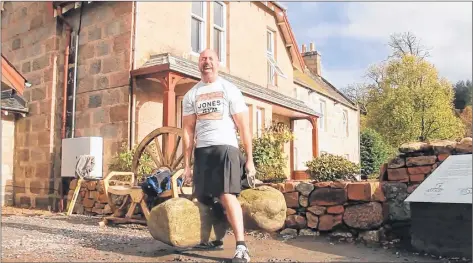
[72,148]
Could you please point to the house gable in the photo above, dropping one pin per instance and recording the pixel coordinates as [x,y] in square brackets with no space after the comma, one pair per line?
[280,15]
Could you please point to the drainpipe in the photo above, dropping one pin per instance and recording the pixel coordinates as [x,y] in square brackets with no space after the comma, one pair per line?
[131,98]
[66,69]
[76,51]
[74,92]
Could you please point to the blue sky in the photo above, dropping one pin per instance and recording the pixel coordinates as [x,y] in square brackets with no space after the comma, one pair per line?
[351,36]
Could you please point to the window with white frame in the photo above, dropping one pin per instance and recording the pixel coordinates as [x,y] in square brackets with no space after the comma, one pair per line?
[198,26]
[273,68]
[345,122]
[322,110]
[270,54]
[219,33]
[259,121]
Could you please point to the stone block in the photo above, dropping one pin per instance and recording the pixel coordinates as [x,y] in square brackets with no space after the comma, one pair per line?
[335,210]
[397,162]
[102,48]
[317,210]
[95,101]
[312,220]
[292,199]
[414,147]
[305,188]
[290,211]
[328,196]
[442,146]
[88,203]
[421,160]
[364,216]
[399,174]
[411,188]
[120,113]
[416,178]
[441,157]
[328,222]
[419,169]
[296,222]
[464,146]
[365,191]
[303,201]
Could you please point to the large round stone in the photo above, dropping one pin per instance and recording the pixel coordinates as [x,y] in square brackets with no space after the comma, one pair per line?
[183,223]
[364,216]
[264,208]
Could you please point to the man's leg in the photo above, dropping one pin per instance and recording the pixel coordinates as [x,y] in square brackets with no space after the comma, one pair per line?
[235,218]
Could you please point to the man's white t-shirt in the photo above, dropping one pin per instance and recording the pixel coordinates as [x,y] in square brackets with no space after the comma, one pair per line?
[214,104]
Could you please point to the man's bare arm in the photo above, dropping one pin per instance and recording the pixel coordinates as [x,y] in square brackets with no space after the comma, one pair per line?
[188,123]
[242,122]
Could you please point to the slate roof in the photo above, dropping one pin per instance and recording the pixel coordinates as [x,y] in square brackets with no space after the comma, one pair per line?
[191,68]
[323,87]
[12,101]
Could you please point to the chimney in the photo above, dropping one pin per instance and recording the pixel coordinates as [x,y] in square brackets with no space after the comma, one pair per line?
[312,47]
[312,60]
[304,48]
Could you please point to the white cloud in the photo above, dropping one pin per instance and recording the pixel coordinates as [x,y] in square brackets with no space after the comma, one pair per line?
[446,27]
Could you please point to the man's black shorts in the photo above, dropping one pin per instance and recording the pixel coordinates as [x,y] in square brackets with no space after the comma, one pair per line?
[218,169]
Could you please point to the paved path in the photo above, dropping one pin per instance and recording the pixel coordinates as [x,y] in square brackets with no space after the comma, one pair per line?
[58,238]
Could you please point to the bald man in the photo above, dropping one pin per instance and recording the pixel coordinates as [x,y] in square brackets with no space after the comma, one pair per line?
[213,110]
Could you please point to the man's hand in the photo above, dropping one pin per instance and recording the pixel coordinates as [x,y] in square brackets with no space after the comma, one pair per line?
[187,176]
[250,173]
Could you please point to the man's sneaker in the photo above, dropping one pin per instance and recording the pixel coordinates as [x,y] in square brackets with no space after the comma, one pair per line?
[242,254]
[213,245]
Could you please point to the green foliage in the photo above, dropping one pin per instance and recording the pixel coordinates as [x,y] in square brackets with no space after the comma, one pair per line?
[373,152]
[410,102]
[268,152]
[463,94]
[123,159]
[329,167]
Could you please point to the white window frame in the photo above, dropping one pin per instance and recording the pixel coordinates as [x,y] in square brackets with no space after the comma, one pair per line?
[202,33]
[273,67]
[345,121]
[259,121]
[223,30]
[323,111]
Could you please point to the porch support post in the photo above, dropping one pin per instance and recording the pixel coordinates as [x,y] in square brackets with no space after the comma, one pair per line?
[315,136]
[291,161]
[169,81]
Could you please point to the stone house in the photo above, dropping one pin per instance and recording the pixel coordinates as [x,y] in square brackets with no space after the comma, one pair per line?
[135,61]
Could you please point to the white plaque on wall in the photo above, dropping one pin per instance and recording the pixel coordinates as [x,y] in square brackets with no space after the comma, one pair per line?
[449,183]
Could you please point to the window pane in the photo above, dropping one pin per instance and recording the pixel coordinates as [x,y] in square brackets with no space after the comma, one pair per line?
[195,35]
[197,8]
[217,44]
[218,14]
[269,39]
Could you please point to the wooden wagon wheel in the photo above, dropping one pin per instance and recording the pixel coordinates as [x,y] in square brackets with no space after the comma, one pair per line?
[156,150]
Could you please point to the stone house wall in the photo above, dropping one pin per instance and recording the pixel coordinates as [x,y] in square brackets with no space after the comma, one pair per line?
[34,42]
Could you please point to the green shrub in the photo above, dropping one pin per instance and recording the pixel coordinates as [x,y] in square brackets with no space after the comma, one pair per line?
[122,162]
[373,152]
[329,167]
[268,152]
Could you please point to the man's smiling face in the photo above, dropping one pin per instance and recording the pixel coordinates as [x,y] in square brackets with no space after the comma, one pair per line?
[208,63]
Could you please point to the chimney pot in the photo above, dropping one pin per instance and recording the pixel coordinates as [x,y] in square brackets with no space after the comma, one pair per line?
[312,47]
[304,48]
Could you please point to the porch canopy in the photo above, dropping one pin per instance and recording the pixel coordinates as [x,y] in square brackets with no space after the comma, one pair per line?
[169,69]
[12,87]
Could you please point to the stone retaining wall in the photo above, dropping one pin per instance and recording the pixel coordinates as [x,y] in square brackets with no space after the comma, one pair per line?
[371,210]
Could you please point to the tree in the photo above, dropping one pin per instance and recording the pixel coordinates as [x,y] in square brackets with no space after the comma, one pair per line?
[410,102]
[358,93]
[407,44]
[463,94]
[465,116]
[373,152]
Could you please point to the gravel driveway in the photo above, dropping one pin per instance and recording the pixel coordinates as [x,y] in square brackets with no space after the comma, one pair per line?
[35,237]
